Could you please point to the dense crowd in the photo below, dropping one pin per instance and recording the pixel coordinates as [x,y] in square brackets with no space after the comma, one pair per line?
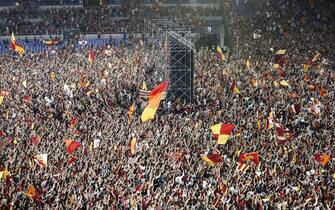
[85,102]
[24,21]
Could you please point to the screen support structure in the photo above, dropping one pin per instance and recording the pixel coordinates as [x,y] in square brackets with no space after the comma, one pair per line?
[175,41]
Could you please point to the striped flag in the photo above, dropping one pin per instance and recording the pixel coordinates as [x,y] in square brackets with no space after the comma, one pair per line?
[15,46]
[242,167]
[90,57]
[41,160]
[212,159]
[322,158]
[155,98]
[222,132]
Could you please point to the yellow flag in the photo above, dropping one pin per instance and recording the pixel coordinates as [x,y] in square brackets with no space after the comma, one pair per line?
[248,64]
[236,90]
[91,146]
[306,67]
[144,86]
[52,76]
[276,66]
[5,173]
[280,52]
[284,83]
[131,110]
[276,84]
[275,168]
[294,156]
[24,84]
[334,175]
[1,99]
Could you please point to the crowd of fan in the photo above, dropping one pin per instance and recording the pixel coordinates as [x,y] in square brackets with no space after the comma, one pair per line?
[166,171]
[92,20]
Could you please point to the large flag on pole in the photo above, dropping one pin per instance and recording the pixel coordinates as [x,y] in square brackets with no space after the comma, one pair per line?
[16,47]
[155,98]
[219,54]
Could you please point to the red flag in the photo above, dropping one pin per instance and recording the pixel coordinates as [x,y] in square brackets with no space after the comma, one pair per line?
[283,133]
[36,139]
[27,99]
[296,108]
[91,57]
[73,122]
[72,147]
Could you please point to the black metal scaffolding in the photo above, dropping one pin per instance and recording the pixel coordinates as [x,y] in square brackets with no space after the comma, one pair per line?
[175,40]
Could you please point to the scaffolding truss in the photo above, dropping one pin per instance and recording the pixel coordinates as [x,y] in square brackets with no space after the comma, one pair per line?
[174,39]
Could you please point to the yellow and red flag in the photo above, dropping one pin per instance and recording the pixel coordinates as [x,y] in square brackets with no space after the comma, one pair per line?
[52,76]
[253,156]
[32,193]
[323,92]
[222,132]
[51,42]
[155,98]
[219,54]
[15,46]
[253,82]
[4,174]
[234,88]
[131,110]
[242,167]
[322,158]
[133,145]
[90,57]
[71,145]
[212,159]
[41,160]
